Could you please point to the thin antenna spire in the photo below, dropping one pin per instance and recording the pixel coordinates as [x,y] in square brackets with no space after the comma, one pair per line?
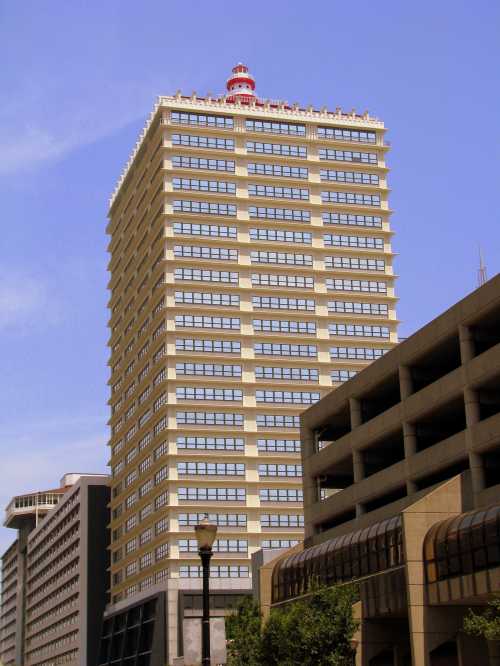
[481,273]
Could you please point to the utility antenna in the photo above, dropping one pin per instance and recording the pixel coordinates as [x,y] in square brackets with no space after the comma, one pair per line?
[481,273]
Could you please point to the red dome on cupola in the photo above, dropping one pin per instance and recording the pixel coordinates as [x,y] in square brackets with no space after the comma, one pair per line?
[240,85]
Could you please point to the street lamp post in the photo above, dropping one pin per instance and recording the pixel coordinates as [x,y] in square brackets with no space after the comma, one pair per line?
[205,535]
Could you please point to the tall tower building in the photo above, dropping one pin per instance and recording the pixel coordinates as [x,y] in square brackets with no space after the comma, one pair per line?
[251,271]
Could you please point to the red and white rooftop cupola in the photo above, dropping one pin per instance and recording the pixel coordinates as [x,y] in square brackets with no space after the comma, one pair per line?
[240,85]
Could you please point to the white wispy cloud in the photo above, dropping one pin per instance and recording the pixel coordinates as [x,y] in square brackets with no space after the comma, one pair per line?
[24,299]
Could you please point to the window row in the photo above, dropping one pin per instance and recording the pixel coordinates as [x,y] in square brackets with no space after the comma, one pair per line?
[347,156]
[289,214]
[281,520]
[211,443]
[342,134]
[357,177]
[201,252]
[350,307]
[351,220]
[294,374]
[188,162]
[288,281]
[205,275]
[279,445]
[351,198]
[281,235]
[204,207]
[206,393]
[211,469]
[359,330]
[208,369]
[281,495]
[357,353]
[201,119]
[287,397]
[212,494]
[205,321]
[197,185]
[283,303]
[212,142]
[280,470]
[209,230]
[209,418]
[216,571]
[283,349]
[210,346]
[277,421]
[284,326]
[203,298]
[288,258]
[281,170]
[355,263]
[369,286]
[340,376]
[219,519]
[365,242]
[276,149]
[219,546]
[275,127]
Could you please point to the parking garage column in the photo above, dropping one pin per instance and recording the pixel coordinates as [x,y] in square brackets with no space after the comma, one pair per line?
[473,416]
[405,382]
[410,445]
[467,350]
[357,457]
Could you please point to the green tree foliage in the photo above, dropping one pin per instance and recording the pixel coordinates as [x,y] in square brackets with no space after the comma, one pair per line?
[243,632]
[485,624]
[315,631]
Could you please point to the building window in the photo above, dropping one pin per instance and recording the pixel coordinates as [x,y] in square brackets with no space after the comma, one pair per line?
[281,495]
[161,526]
[266,257]
[201,119]
[187,162]
[203,298]
[274,127]
[211,443]
[146,560]
[221,187]
[210,346]
[351,198]
[268,544]
[206,321]
[211,469]
[214,230]
[343,134]
[288,214]
[357,353]
[350,307]
[356,285]
[282,349]
[279,445]
[276,149]
[281,170]
[287,374]
[130,546]
[202,275]
[356,177]
[347,156]
[212,494]
[161,500]
[283,303]
[281,236]
[340,376]
[160,450]
[281,520]
[204,207]
[208,370]
[280,470]
[161,475]
[192,141]
[220,571]
[364,242]
[287,397]
[219,519]
[209,418]
[161,552]
[278,192]
[348,219]
[284,326]
[355,263]
[198,252]
[359,330]
[277,421]
[207,393]
[288,281]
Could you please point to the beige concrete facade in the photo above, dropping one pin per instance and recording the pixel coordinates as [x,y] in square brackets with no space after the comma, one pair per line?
[251,272]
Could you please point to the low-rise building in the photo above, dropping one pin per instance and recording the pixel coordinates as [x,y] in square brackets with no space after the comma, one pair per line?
[402,491]
[55,575]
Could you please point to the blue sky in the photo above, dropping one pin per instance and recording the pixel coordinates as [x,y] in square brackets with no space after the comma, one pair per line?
[77,81]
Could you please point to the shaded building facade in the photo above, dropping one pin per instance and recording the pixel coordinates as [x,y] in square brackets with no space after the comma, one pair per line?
[402,491]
